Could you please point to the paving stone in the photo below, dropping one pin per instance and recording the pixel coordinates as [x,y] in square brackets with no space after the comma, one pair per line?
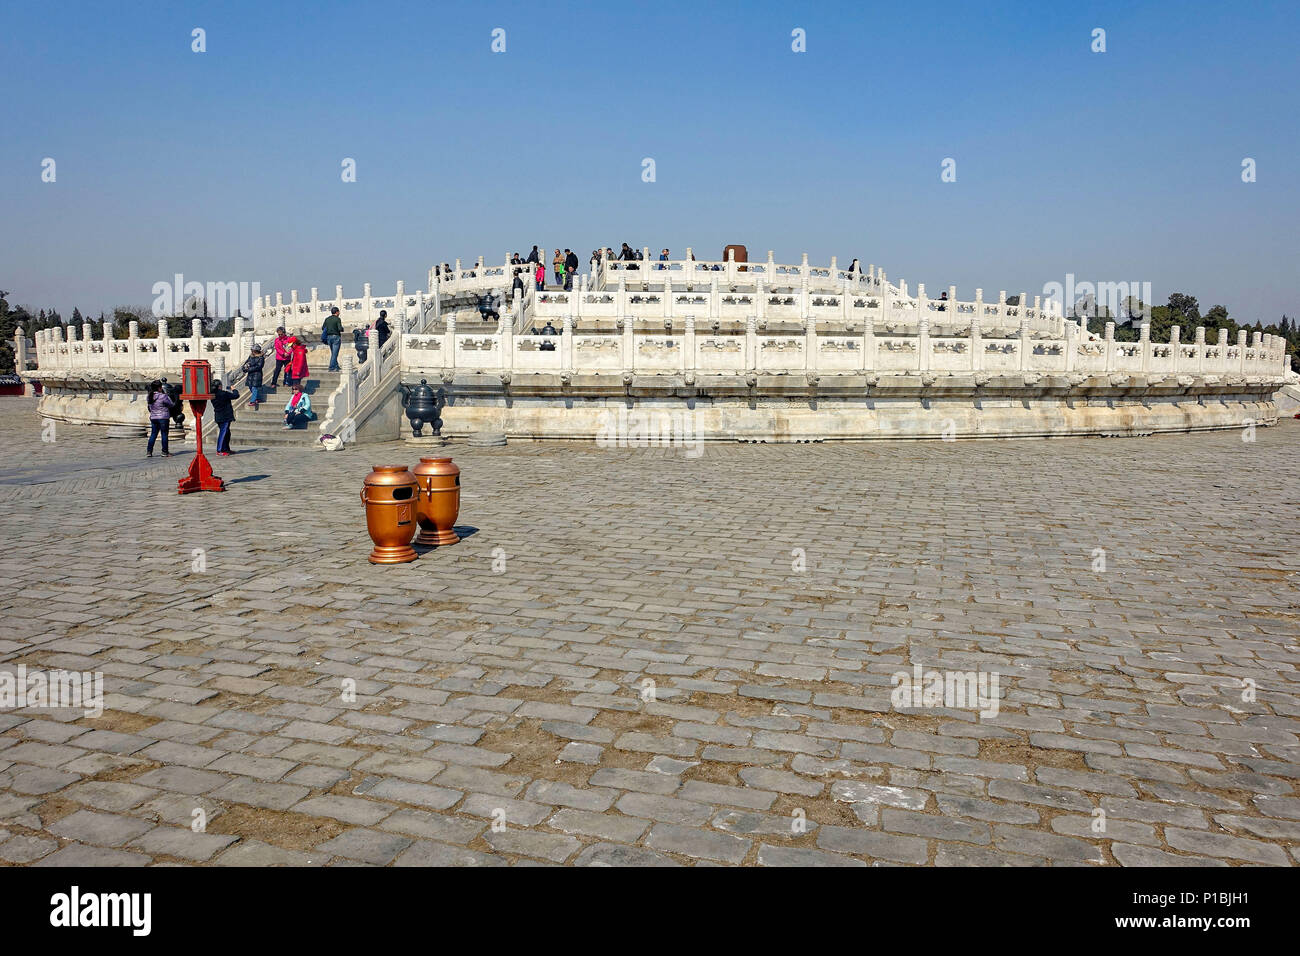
[613,854]
[99,829]
[698,844]
[607,826]
[370,846]
[183,842]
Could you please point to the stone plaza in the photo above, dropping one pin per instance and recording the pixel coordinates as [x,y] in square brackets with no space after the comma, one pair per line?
[642,656]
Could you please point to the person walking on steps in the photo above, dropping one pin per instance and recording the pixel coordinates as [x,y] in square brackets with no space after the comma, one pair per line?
[252,368]
[281,348]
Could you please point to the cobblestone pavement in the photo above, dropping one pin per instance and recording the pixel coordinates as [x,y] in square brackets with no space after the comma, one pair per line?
[639,657]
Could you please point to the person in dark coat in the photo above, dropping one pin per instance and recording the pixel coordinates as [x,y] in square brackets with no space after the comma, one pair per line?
[223,413]
[382,328]
[533,256]
[252,368]
[570,269]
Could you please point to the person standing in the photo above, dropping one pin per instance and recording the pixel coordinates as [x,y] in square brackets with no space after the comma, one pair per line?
[534,256]
[570,268]
[540,276]
[557,261]
[333,330]
[297,370]
[223,413]
[663,257]
[160,407]
[281,346]
[381,327]
[252,368]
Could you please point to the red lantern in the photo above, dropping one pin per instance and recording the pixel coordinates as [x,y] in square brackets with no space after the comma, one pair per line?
[196,380]
[196,388]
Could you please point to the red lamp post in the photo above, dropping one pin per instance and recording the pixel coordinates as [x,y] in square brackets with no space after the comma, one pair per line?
[196,388]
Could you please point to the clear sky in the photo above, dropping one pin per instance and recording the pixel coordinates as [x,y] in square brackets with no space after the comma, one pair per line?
[225,165]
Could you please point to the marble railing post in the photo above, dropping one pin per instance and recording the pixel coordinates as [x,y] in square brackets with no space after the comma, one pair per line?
[566,343]
[373,357]
[219,370]
[1024,347]
[20,349]
[295,308]
[731,267]
[163,347]
[86,335]
[367,306]
[1144,341]
[976,333]
[1072,337]
[237,340]
[1241,350]
[315,307]
[760,299]
[810,344]
[1110,347]
[132,340]
[506,329]
[196,338]
[715,303]
[688,345]
[338,300]
[1200,349]
[625,322]
[449,344]
[1175,348]
[668,296]
[751,344]
[399,301]
[279,310]
[348,364]
[770,271]
[868,359]
[922,329]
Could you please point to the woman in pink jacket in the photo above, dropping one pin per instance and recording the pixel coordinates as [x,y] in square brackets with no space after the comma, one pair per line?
[281,345]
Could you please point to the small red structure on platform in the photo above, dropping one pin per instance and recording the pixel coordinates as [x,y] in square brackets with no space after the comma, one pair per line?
[196,388]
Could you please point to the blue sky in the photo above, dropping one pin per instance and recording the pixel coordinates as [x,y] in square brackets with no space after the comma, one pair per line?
[225,165]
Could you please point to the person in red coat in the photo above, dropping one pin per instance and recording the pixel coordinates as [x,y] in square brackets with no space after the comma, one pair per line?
[297,361]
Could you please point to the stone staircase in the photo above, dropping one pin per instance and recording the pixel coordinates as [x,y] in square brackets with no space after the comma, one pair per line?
[265,427]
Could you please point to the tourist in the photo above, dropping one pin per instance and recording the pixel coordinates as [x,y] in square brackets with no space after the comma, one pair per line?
[281,346]
[855,270]
[297,411]
[297,370]
[160,407]
[533,256]
[361,342]
[663,257]
[252,368]
[333,336]
[517,287]
[540,277]
[594,262]
[516,259]
[557,261]
[223,413]
[382,329]
[570,268]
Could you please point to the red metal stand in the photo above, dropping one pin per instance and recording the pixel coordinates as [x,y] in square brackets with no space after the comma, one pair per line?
[200,477]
